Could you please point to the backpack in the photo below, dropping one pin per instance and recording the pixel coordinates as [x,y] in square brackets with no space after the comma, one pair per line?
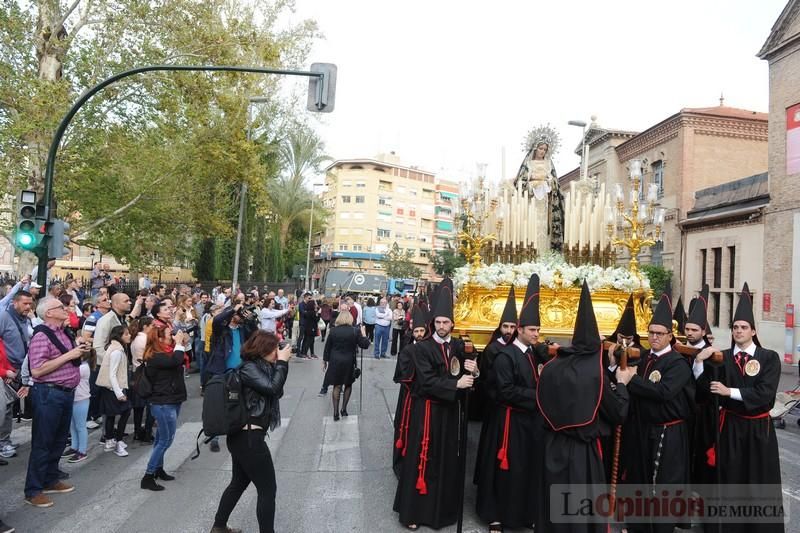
[224,408]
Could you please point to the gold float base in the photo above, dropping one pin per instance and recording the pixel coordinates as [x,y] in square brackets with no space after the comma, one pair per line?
[477,310]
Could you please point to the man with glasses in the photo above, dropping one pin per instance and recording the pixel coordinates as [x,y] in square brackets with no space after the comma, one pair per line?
[14,323]
[662,389]
[55,377]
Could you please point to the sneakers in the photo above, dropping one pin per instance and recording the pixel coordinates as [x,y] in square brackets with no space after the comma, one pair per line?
[40,500]
[121,450]
[8,451]
[69,452]
[5,528]
[110,445]
[59,488]
[77,458]
[323,391]
[91,424]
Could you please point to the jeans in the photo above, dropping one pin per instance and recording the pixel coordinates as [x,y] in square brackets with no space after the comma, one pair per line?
[77,427]
[6,414]
[166,416]
[48,436]
[381,340]
[252,462]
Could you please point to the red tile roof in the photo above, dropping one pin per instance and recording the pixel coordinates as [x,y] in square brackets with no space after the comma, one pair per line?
[728,112]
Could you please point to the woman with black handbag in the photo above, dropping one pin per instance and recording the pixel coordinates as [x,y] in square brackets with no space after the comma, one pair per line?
[339,359]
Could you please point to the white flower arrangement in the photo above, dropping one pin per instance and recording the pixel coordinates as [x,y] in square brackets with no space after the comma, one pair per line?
[490,276]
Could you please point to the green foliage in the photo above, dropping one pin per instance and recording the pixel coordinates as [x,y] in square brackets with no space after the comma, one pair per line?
[446,261]
[152,163]
[204,264]
[660,278]
[399,264]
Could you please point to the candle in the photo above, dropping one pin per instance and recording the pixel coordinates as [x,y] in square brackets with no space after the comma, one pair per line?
[652,193]
[635,169]
[618,195]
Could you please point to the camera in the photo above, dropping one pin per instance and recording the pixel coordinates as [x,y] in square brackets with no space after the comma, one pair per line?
[282,345]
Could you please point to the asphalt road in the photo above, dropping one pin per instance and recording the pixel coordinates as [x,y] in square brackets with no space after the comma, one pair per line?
[332,476]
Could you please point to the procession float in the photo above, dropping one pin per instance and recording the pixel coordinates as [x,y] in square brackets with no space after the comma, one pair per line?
[529,225]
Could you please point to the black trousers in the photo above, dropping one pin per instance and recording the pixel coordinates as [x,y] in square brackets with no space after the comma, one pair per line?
[252,462]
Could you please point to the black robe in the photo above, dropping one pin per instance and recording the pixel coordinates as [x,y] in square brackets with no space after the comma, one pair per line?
[404,376]
[703,432]
[508,468]
[655,439]
[429,488]
[747,453]
[487,397]
[575,457]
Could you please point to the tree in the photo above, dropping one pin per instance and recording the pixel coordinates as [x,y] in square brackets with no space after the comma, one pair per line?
[156,153]
[660,279]
[399,264]
[204,264]
[445,262]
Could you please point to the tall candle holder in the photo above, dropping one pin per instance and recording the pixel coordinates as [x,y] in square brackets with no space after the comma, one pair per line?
[476,208]
[641,225]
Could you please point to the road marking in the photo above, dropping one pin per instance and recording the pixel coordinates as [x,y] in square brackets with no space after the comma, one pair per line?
[340,445]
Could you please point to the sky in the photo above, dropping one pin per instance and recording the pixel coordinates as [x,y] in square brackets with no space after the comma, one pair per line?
[451,84]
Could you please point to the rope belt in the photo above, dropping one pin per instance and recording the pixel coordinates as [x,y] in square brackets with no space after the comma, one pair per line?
[402,438]
[711,453]
[422,487]
[502,453]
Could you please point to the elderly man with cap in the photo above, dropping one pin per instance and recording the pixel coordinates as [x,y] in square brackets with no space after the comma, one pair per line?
[579,406]
[430,486]
[509,467]
[662,392]
[404,376]
[486,389]
[747,451]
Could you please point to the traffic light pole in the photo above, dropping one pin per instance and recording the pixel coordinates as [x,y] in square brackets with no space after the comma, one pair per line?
[323,86]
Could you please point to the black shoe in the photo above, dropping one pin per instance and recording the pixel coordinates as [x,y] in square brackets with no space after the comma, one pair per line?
[335,417]
[3,462]
[149,483]
[344,412]
[323,391]
[214,446]
[163,476]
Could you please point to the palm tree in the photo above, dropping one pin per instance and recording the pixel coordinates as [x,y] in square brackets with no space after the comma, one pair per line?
[300,153]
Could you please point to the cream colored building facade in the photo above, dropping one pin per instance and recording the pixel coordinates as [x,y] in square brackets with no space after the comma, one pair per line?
[694,149]
[375,203]
[781,244]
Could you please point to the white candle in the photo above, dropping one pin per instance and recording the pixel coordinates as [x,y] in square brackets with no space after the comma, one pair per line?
[635,168]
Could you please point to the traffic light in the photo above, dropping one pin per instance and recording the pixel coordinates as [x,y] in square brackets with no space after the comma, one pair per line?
[27,237]
[59,244]
[322,90]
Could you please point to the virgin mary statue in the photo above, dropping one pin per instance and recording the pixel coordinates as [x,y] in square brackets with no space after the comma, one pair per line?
[538,177]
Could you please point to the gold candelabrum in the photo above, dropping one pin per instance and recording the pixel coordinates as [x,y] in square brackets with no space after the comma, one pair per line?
[475,209]
[641,225]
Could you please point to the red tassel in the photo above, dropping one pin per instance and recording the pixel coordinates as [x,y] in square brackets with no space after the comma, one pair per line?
[504,463]
[399,443]
[502,453]
[711,457]
[422,487]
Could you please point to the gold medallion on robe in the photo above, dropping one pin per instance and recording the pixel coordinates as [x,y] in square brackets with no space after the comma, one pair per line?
[455,366]
[752,368]
[655,376]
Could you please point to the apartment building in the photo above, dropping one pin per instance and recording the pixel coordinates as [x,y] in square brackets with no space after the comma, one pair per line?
[377,203]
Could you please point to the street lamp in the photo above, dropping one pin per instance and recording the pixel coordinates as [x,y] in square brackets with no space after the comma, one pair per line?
[243,193]
[310,225]
[581,124]
[372,259]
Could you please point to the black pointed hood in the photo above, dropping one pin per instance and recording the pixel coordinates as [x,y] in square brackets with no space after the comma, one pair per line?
[509,314]
[627,323]
[744,311]
[585,336]
[443,306]
[420,318]
[529,314]
[663,313]
[698,314]
[679,316]
[570,386]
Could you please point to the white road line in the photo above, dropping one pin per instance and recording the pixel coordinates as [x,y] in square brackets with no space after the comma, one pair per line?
[340,445]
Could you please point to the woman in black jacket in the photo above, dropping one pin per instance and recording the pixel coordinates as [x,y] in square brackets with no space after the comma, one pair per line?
[163,360]
[310,327]
[339,359]
[263,373]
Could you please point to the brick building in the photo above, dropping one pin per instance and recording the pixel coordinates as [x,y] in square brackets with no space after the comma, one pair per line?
[781,285]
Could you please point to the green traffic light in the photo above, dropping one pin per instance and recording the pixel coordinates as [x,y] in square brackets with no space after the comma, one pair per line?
[25,240]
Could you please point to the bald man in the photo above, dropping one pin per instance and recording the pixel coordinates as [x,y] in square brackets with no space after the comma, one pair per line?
[120,307]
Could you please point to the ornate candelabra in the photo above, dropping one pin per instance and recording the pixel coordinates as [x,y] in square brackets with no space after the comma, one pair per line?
[476,206]
[641,225]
